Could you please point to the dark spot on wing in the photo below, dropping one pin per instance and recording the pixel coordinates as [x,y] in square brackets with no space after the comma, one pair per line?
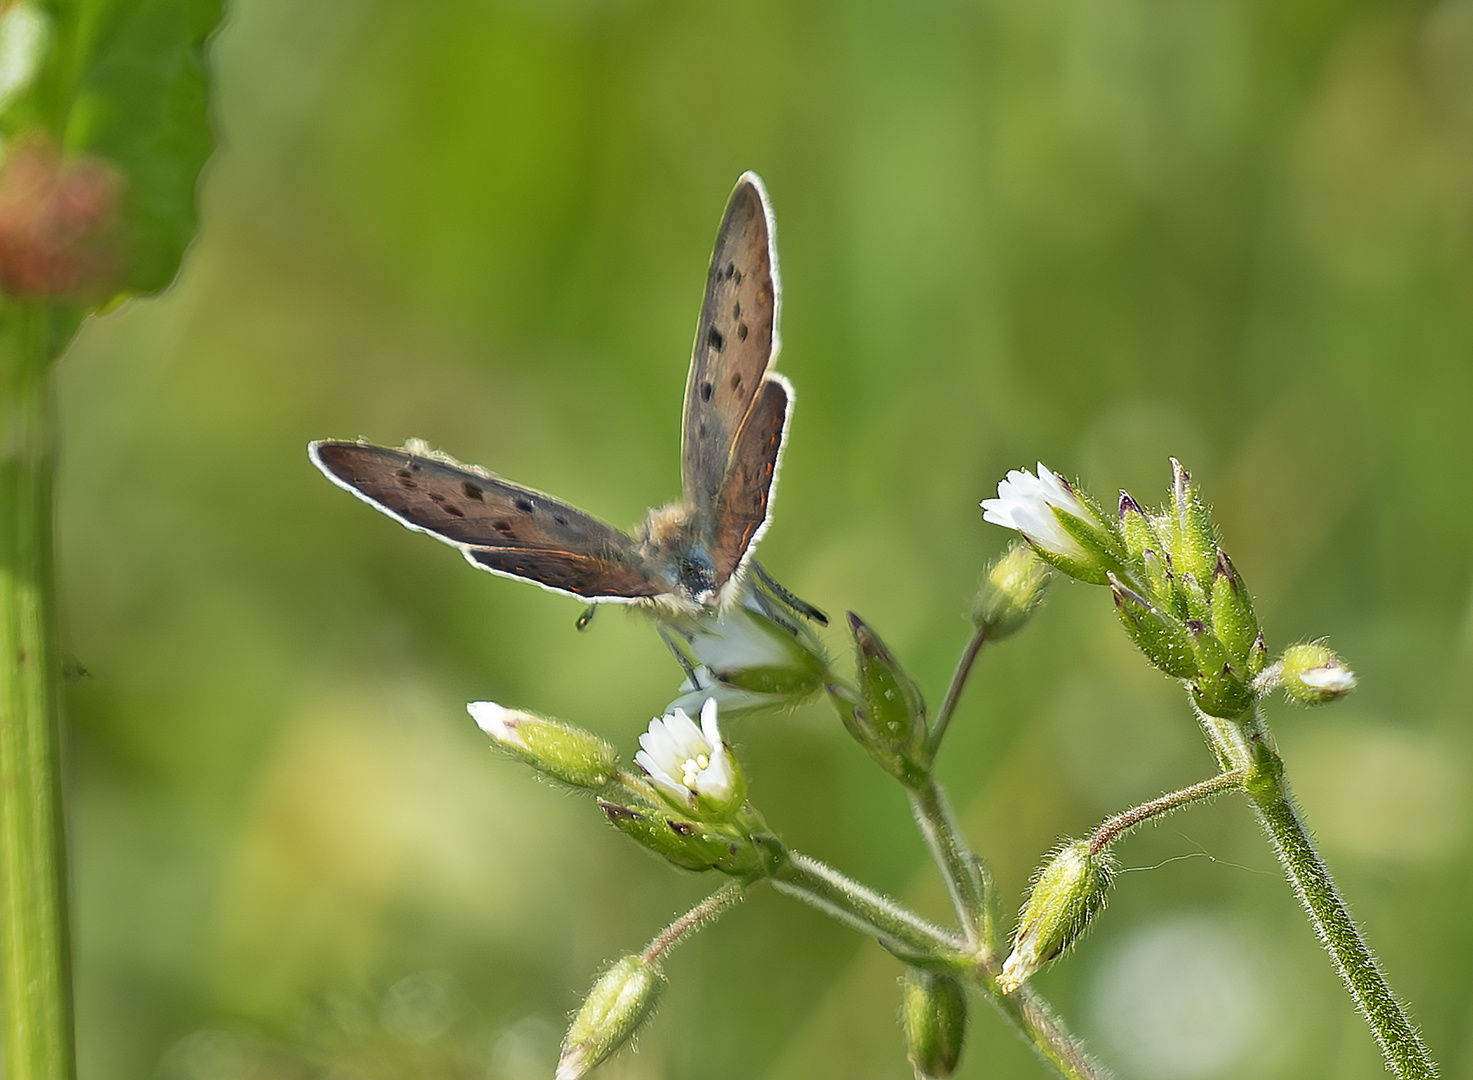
[453,510]
[559,519]
[714,339]
[702,430]
[503,526]
[742,330]
[403,474]
[525,505]
[705,391]
[436,497]
[736,311]
[405,482]
[472,491]
[730,270]
[738,276]
[736,380]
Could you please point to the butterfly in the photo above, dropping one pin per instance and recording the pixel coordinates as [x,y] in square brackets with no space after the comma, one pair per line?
[688,556]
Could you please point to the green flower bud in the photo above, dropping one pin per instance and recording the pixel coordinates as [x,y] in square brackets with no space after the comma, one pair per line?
[1013,587]
[889,716]
[621,1000]
[1189,533]
[1162,582]
[1219,689]
[1136,528]
[1160,635]
[1233,619]
[1066,895]
[556,749]
[692,845]
[1312,674]
[1064,526]
[933,1014]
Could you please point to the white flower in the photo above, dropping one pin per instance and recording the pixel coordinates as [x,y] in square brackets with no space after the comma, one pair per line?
[1027,503]
[688,763]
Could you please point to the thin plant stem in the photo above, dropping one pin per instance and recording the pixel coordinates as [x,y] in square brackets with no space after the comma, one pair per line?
[35,974]
[902,932]
[954,691]
[1111,829]
[1031,1015]
[964,880]
[708,910]
[1245,743]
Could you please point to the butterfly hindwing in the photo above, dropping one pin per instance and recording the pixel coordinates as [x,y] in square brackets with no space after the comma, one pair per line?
[736,341]
[743,502]
[500,526]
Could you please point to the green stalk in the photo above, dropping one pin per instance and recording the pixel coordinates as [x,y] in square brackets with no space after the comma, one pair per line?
[35,983]
[1245,743]
[957,864]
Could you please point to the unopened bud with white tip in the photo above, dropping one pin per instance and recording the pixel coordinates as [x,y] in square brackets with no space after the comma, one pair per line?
[1311,674]
[559,750]
[621,1000]
[1068,892]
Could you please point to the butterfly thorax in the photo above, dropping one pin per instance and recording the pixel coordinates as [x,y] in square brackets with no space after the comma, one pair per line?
[673,548]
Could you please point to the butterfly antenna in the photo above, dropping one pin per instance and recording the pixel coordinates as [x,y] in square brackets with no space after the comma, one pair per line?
[803,607]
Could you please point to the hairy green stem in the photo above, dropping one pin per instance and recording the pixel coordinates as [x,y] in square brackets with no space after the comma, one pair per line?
[902,932]
[954,691]
[35,974]
[1031,1015]
[708,910]
[1111,829]
[1245,744]
[958,866]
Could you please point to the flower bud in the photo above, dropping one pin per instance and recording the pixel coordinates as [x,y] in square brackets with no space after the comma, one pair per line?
[691,845]
[1013,587]
[1312,674]
[1233,618]
[1188,530]
[1219,688]
[1062,525]
[1160,635]
[1067,893]
[621,1000]
[1136,529]
[933,1013]
[889,716]
[556,749]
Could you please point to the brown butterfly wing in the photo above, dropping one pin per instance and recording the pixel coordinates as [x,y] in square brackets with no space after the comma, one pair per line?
[736,341]
[499,526]
[743,503]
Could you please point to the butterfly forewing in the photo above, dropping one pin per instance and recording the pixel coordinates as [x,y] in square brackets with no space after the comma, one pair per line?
[736,341]
[500,526]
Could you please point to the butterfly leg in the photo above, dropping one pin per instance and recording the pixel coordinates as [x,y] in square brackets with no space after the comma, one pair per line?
[803,607]
[680,657]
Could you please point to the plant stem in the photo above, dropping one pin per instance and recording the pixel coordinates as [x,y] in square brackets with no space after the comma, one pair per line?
[957,864]
[729,895]
[954,691]
[1245,743]
[902,932]
[35,983]
[1111,829]
[1031,1015]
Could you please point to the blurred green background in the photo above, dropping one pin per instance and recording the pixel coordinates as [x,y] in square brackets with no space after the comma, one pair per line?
[1095,232]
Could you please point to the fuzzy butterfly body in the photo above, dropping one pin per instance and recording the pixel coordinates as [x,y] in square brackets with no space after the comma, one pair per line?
[686,555]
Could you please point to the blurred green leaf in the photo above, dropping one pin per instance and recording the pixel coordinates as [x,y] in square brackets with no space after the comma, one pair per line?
[140,101]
